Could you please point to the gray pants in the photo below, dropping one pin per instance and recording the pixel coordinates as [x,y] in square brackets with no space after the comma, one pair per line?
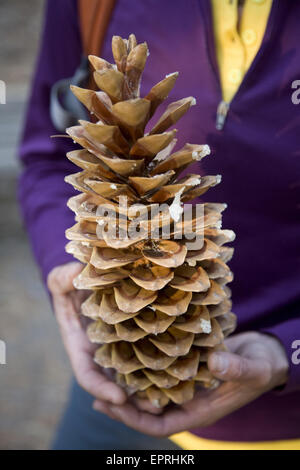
[82,428]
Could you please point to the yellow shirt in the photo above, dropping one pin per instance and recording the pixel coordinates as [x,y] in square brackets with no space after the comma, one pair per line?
[236,49]
[236,46]
[189,441]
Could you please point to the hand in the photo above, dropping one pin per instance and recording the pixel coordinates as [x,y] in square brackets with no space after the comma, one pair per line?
[256,364]
[67,302]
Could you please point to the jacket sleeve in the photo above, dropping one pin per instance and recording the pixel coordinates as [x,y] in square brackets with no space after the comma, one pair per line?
[288,333]
[42,191]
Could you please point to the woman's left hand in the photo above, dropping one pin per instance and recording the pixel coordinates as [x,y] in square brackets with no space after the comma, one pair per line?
[256,364]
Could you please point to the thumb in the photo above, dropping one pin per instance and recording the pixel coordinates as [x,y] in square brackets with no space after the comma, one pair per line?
[231,367]
[60,279]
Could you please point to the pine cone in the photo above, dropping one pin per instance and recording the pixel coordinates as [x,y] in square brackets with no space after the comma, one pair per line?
[158,305]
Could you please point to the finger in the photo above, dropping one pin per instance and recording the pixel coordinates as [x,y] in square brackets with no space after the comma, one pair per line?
[92,380]
[231,367]
[78,297]
[173,420]
[103,407]
[66,314]
[146,405]
[234,342]
[237,341]
[139,420]
[100,387]
[87,373]
[80,352]
[60,279]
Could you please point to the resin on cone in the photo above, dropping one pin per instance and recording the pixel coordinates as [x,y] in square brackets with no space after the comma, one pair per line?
[158,306]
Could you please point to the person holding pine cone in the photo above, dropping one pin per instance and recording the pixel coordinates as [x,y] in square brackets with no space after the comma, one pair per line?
[149,346]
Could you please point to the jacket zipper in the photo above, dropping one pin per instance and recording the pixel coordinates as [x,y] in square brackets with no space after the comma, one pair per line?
[222,112]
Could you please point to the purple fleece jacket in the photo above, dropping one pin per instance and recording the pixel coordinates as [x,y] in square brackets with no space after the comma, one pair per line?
[257,153]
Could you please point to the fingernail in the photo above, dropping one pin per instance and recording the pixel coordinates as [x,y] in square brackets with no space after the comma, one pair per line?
[220,363]
[117,399]
[115,410]
[98,406]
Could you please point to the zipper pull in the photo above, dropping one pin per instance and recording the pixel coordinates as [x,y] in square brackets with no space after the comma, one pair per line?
[222,112]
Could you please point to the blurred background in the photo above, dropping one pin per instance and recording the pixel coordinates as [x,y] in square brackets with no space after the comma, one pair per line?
[34,381]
